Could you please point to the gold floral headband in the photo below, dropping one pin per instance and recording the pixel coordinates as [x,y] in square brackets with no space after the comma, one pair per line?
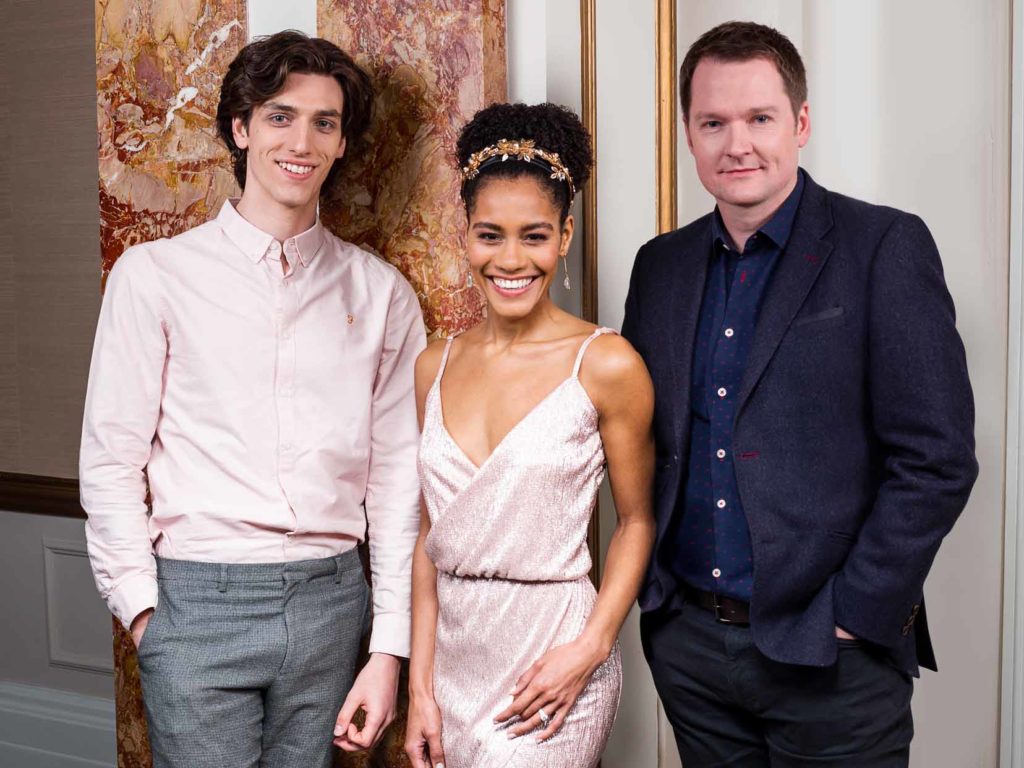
[520,149]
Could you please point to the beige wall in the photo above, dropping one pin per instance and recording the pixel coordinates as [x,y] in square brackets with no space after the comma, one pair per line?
[49,232]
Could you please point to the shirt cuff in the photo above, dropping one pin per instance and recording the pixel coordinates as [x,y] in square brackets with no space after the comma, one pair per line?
[131,597]
[391,634]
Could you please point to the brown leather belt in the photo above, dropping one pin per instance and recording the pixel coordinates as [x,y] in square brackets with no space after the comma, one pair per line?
[727,610]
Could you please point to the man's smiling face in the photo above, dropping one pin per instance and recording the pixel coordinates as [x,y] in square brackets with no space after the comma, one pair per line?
[292,140]
[743,133]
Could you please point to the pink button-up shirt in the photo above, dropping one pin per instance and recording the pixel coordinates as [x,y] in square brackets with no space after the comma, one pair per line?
[272,409]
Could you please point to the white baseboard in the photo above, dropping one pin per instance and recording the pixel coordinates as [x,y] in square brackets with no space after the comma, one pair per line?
[47,728]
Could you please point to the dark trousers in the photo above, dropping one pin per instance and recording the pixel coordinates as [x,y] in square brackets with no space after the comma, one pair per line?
[732,706]
[246,666]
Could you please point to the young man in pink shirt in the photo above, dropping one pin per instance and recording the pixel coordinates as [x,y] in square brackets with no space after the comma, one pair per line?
[259,371]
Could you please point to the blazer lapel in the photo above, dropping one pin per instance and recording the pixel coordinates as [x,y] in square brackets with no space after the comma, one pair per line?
[687,293]
[795,273]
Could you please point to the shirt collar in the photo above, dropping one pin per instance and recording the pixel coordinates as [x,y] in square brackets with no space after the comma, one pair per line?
[256,244]
[777,229]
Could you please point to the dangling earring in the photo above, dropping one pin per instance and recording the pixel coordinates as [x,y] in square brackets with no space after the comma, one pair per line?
[469,279]
[565,264]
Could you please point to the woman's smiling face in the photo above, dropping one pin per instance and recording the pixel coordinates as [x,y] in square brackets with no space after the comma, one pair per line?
[515,241]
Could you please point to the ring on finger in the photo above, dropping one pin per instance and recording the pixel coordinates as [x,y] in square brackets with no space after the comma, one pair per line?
[545,718]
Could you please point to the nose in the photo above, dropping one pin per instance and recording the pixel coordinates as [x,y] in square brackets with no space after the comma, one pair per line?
[301,137]
[510,258]
[739,143]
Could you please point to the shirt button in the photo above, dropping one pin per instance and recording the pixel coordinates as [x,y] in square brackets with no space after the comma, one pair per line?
[275,247]
[716,573]
[720,503]
[286,446]
[729,333]
[722,392]
[720,453]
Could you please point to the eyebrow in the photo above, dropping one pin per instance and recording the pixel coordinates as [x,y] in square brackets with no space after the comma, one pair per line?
[749,113]
[277,106]
[529,227]
[539,225]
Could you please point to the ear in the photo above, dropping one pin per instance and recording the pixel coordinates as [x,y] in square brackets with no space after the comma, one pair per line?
[567,230]
[803,125]
[686,130]
[240,132]
[341,148]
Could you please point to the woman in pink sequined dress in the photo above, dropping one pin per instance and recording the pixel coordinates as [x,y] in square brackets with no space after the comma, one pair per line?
[515,662]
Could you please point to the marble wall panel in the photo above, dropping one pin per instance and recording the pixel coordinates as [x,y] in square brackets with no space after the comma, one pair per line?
[158,69]
[434,64]
[162,169]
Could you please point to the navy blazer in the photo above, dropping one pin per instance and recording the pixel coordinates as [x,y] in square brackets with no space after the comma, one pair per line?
[854,434]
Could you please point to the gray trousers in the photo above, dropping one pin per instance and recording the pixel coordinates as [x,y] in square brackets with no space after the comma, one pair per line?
[247,665]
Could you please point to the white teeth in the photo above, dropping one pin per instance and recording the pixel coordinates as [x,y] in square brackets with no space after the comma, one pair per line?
[512,285]
[291,167]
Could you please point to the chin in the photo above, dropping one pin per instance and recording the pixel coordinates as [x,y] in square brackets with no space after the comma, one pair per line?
[508,310]
[743,197]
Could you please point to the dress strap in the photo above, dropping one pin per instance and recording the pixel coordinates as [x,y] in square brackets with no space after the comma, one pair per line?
[444,358]
[583,348]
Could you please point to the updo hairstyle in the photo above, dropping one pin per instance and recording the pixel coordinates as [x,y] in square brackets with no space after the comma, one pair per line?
[551,127]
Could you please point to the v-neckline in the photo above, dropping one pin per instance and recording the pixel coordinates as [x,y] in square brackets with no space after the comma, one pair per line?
[504,438]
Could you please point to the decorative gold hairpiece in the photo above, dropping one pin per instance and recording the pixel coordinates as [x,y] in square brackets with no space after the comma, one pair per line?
[520,149]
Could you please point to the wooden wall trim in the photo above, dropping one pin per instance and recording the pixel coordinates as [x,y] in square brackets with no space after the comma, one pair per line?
[665,121]
[40,495]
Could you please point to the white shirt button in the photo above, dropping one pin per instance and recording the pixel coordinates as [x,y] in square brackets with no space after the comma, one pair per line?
[720,503]
[716,573]
[729,333]
[722,392]
[720,453]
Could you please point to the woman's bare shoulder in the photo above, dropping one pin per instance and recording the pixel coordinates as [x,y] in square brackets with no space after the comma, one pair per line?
[429,361]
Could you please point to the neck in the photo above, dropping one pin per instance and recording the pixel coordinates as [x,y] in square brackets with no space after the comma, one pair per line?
[504,331]
[282,222]
[742,221]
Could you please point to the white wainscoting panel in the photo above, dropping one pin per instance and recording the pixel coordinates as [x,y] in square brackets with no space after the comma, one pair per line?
[77,624]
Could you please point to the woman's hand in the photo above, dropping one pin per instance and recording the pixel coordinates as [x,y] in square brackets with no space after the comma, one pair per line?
[423,733]
[553,684]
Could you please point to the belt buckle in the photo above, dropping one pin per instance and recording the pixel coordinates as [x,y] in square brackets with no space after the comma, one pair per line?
[718,610]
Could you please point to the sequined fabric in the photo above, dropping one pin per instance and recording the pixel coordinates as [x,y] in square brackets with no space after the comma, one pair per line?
[509,540]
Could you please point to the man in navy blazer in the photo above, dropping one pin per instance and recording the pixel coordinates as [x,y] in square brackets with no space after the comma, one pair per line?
[814,425]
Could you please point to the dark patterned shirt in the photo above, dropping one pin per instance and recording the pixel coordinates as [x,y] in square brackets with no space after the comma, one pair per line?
[712,535]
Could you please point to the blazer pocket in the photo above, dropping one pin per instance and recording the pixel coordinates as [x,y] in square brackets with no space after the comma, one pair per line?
[841,535]
[827,314]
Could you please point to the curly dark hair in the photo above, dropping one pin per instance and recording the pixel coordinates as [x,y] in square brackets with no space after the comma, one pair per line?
[259,72]
[552,127]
